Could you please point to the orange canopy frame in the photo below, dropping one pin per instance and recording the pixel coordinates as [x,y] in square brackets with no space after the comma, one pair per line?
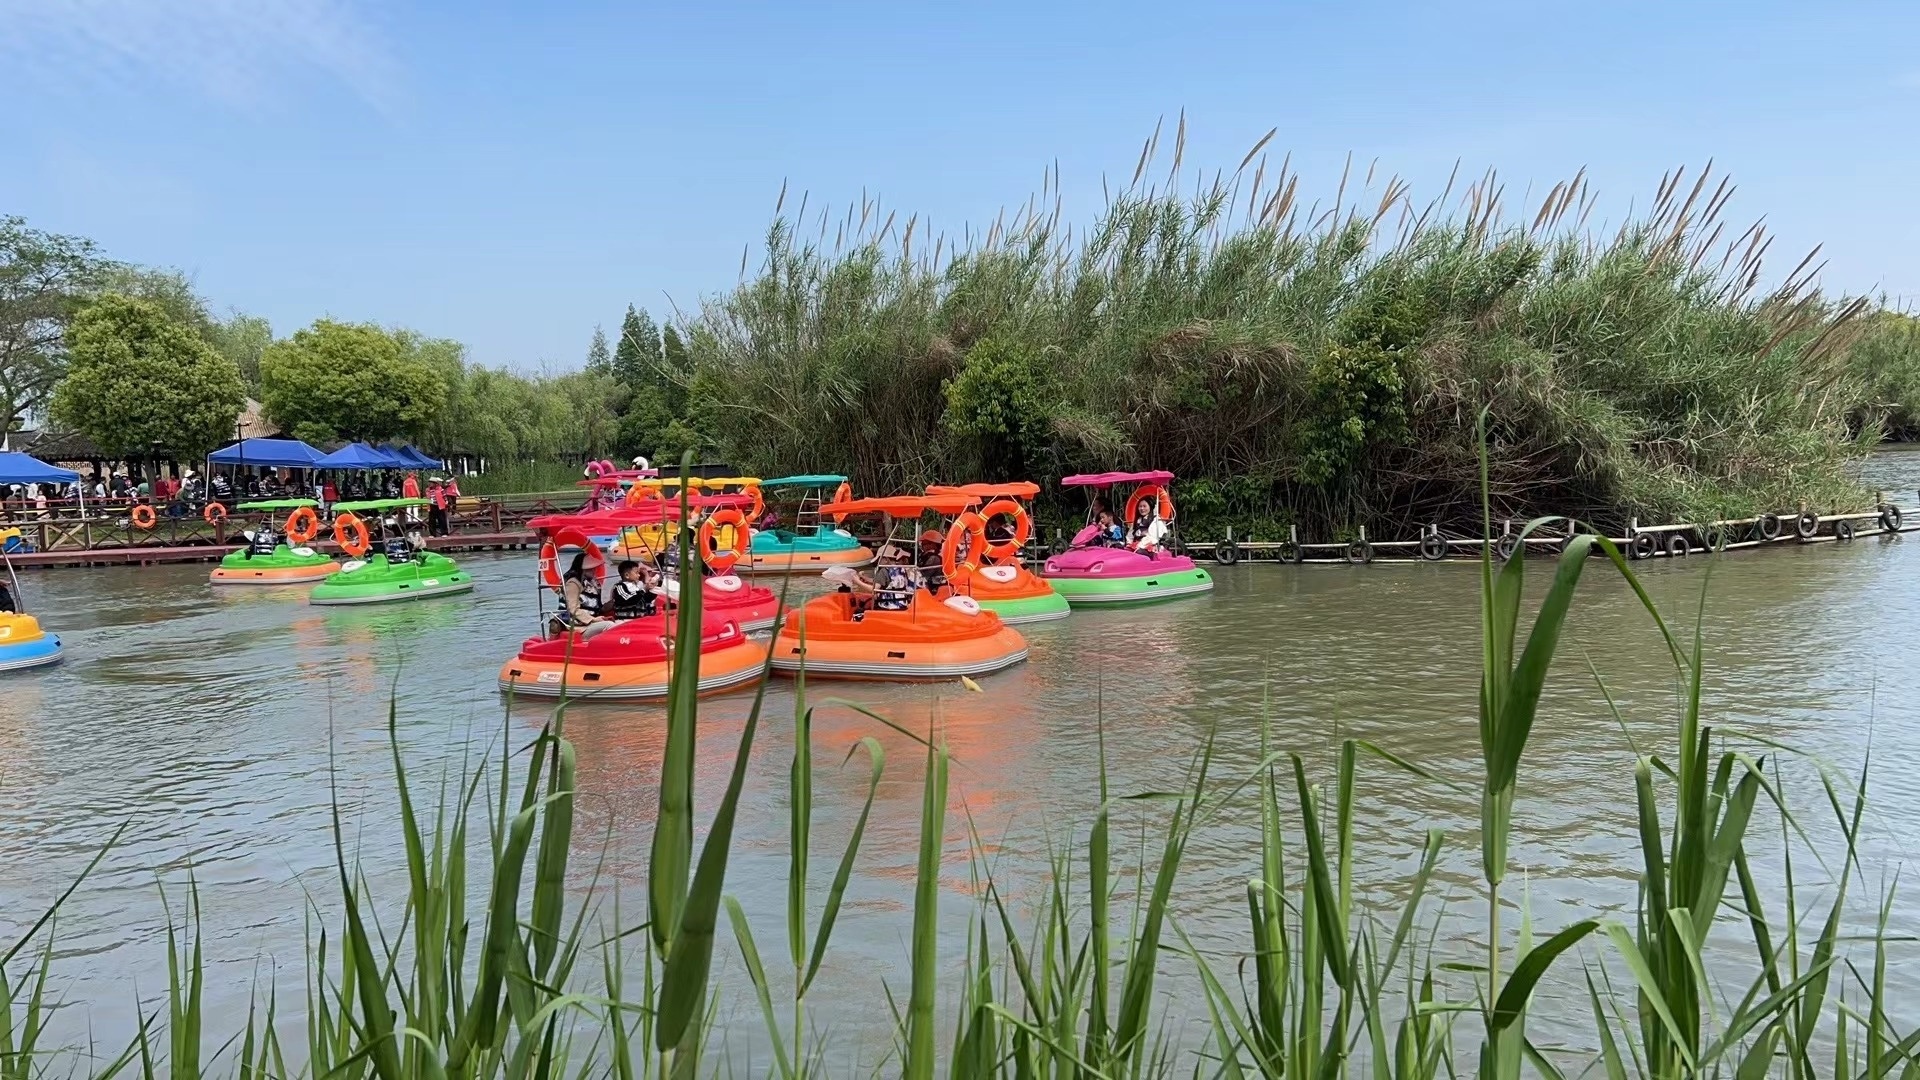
[902,506]
[1018,489]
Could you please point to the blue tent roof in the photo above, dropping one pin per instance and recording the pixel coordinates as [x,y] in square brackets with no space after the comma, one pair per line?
[426,460]
[26,469]
[409,455]
[356,456]
[285,453]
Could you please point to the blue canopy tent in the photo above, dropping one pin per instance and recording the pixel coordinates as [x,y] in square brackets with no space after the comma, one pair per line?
[282,453]
[356,456]
[420,458]
[401,459]
[27,469]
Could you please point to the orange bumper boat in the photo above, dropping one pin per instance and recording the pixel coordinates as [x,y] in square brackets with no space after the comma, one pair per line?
[987,567]
[889,626]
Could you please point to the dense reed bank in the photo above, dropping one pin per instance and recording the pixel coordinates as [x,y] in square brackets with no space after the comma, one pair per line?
[1311,364]
[485,964]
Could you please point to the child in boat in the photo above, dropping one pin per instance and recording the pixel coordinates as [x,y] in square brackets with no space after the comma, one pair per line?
[636,594]
[1111,534]
[262,542]
[895,588]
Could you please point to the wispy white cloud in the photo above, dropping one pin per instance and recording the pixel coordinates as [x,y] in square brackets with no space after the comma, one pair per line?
[239,52]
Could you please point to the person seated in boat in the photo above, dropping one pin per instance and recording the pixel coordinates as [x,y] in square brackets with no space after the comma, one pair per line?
[927,560]
[580,592]
[895,585]
[395,544]
[1149,531]
[7,604]
[1111,533]
[262,542]
[637,593]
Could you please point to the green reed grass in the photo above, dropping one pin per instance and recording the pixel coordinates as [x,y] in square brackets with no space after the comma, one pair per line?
[486,964]
[1307,363]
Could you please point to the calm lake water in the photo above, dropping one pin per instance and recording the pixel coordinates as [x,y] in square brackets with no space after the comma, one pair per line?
[221,724]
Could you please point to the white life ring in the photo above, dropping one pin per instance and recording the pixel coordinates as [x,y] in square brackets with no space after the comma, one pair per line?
[966,605]
[726,583]
[1002,574]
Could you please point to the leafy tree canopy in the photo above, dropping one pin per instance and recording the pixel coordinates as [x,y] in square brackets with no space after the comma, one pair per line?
[138,381]
[337,380]
[44,279]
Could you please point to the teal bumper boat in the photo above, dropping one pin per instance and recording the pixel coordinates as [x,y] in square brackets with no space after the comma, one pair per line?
[813,544]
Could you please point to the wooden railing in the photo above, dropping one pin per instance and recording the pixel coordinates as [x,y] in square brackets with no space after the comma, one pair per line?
[63,525]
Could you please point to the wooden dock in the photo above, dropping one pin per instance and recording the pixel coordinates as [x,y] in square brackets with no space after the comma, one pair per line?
[155,554]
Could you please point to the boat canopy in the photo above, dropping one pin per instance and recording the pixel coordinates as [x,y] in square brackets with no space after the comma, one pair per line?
[596,522]
[901,506]
[378,504]
[617,479]
[1019,489]
[806,480]
[1107,479]
[18,468]
[277,504]
[279,453]
[696,481]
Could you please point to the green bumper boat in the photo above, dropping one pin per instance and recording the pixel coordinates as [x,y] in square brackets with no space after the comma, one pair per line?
[287,563]
[286,566]
[377,581]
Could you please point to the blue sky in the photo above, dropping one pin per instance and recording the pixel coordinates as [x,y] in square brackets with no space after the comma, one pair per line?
[512,174]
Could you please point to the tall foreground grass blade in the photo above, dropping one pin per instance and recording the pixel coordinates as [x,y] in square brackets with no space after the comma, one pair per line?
[670,859]
[919,1063]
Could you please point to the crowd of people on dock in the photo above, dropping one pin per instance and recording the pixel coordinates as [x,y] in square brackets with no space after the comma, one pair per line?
[186,493]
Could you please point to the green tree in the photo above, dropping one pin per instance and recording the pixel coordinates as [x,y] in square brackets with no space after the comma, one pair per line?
[1002,400]
[44,279]
[170,290]
[599,356]
[675,368]
[636,359]
[138,381]
[337,380]
[241,338]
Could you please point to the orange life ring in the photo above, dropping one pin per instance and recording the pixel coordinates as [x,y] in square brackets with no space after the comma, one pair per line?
[573,538]
[144,517]
[973,529]
[351,534]
[214,514]
[721,560]
[303,525]
[1008,550]
[843,493]
[1143,491]
[759,504]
